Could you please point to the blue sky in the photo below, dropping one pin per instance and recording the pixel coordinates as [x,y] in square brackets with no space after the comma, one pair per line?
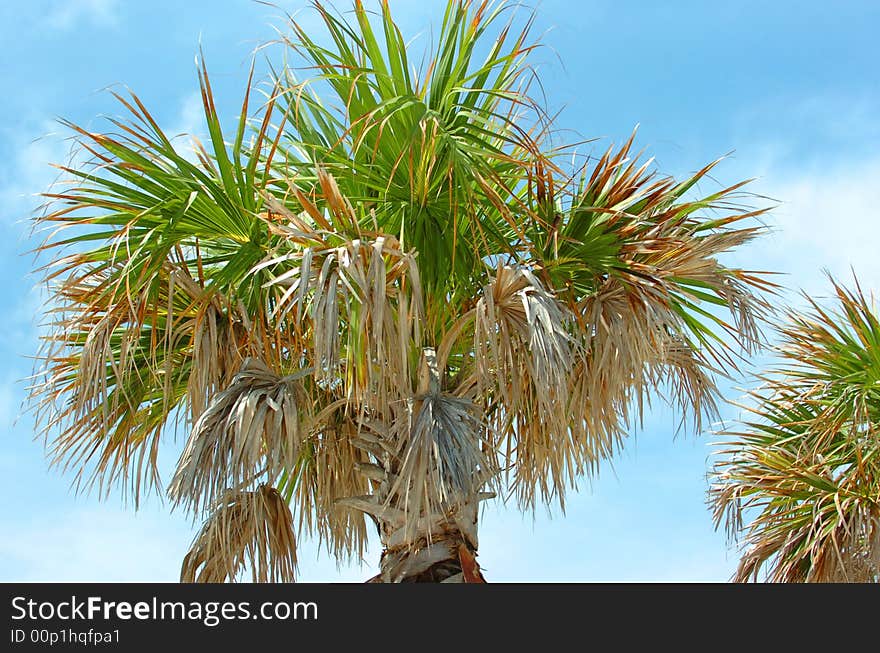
[790,88]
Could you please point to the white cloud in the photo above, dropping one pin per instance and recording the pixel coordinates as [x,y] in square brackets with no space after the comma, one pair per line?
[9,400]
[786,126]
[189,122]
[828,218]
[29,171]
[66,14]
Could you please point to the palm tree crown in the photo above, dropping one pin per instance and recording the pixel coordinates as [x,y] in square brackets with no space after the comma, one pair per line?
[383,298]
[803,470]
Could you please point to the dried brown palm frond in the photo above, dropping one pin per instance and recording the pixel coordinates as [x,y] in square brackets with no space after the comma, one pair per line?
[521,341]
[688,380]
[623,333]
[860,551]
[546,454]
[312,225]
[330,468]
[356,309]
[112,363]
[244,530]
[636,346]
[653,324]
[640,338]
[442,458]
[524,356]
[218,352]
[255,426]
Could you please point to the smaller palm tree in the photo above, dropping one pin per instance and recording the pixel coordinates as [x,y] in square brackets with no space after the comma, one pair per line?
[800,483]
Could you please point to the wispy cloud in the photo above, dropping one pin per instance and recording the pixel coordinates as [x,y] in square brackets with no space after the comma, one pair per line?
[791,131]
[827,218]
[28,170]
[189,122]
[9,400]
[67,14]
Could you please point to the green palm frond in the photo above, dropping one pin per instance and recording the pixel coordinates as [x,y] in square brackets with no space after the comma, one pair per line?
[799,481]
[353,308]
[150,308]
[438,156]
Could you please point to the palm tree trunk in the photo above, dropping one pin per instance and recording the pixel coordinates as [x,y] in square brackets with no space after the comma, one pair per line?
[441,548]
[445,552]
[440,545]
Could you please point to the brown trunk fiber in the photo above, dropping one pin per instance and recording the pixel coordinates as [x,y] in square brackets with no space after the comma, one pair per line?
[446,555]
[448,560]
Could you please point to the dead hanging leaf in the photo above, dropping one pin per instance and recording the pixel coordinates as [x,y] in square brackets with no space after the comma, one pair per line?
[521,339]
[245,529]
[254,426]
[361,304]
[470,570]
[443,449]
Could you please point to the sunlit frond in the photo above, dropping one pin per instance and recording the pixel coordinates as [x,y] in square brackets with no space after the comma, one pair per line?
[522,341]
[438,151]
[144,245]
[524,358]
[641,266]
[357,308]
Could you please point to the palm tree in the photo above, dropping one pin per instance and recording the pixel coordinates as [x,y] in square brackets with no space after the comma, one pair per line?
[383,300]
[804,470]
